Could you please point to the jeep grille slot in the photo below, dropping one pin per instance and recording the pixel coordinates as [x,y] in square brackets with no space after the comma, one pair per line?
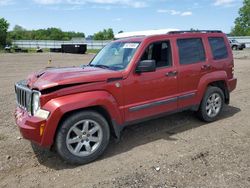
[23,96]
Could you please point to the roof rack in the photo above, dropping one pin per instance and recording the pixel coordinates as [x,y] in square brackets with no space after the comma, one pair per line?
[195,31]
[143,33]
[160,32]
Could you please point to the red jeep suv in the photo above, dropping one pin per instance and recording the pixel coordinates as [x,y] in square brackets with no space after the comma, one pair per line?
[77,109]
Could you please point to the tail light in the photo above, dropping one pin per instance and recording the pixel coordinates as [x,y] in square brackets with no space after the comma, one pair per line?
[231,69]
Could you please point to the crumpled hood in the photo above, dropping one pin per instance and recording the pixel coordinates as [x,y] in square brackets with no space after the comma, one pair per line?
[53,77]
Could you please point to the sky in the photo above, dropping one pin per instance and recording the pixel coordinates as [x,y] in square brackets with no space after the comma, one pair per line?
[91,16]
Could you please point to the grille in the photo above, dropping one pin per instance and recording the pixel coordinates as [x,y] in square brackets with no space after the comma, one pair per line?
[23,95]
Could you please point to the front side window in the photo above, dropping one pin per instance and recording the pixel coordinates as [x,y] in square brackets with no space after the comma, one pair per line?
[218,47]
[191,50]
[160,52]
[115,56]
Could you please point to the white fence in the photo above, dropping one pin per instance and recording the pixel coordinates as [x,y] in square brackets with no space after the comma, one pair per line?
[57,44]
[91,44]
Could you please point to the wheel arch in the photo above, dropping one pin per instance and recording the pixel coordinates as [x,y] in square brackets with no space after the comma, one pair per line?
[223,86]
[99,109]
[60,108]
[217,79]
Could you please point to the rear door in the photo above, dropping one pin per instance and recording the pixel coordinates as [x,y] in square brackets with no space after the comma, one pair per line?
[193,64]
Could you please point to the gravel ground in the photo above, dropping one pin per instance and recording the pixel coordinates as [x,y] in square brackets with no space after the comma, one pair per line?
[174,151]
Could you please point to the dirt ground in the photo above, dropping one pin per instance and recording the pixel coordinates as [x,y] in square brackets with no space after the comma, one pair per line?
[174,151]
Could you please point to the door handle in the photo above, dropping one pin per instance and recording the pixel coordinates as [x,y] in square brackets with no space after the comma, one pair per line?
[171,73]
[206,67]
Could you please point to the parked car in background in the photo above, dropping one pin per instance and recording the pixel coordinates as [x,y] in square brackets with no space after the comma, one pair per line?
[7,48]
[77,109]
[235,45]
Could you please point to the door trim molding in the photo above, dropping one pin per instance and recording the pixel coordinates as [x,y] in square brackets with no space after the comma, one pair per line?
[152,104]
[186,96]
[161,102]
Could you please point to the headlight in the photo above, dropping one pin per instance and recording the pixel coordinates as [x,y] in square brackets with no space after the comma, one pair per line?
[35,102]
[36,108]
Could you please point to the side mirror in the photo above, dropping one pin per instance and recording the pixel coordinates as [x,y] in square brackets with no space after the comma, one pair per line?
[146,66]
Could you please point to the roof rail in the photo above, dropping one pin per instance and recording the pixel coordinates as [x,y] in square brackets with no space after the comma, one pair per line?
[143,33]
[195,31]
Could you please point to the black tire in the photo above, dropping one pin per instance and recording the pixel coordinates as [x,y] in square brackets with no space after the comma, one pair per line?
[234,48]
[62,147]
[202,112]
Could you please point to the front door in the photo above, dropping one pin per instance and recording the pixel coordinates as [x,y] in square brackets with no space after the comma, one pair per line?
[152,93]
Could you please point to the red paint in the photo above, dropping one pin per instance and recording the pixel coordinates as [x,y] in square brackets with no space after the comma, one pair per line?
[135,89]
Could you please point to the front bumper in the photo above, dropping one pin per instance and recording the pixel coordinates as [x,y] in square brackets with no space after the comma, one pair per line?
[232,84]
[29,126]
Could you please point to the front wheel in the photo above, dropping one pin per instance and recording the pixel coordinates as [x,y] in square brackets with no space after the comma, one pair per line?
[82,137]
[212,104]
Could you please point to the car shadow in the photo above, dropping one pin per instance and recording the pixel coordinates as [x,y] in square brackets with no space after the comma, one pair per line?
[138,134]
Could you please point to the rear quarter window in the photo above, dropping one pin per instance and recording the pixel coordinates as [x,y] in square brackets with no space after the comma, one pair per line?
[218,47]
[191,50]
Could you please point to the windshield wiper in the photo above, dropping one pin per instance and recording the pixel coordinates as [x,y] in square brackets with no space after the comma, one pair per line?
[102,66]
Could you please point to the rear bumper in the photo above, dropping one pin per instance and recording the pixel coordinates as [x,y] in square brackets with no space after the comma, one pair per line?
[242,46]
[232,84]
[29,126]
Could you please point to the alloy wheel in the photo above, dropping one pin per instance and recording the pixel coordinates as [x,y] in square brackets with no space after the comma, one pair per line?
[214,104]
[84,138]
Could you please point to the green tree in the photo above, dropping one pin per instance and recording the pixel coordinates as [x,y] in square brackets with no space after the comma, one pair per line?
[19,33]
[4,25]
[242,23]
[55,34]
[192,29]
[106,34]
[109,34]
[98,36]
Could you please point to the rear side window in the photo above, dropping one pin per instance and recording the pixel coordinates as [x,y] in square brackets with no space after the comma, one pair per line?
[191,51]
[218,47]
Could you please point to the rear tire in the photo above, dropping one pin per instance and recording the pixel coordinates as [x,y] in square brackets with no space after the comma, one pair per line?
[234,48]
[211,104]
[82,137]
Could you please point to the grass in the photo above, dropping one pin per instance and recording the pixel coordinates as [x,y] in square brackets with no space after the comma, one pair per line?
[93,51]
[33,50]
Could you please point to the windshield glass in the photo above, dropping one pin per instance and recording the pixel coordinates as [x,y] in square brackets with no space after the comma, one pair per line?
[115,56]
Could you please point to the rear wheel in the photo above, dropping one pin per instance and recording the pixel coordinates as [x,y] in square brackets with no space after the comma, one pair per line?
[82,137]
[212,104]
[234,48]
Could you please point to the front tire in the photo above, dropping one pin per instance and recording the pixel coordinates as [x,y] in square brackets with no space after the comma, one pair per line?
[82,137]
[212,104]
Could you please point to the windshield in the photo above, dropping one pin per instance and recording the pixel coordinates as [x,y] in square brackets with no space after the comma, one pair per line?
[115,56]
